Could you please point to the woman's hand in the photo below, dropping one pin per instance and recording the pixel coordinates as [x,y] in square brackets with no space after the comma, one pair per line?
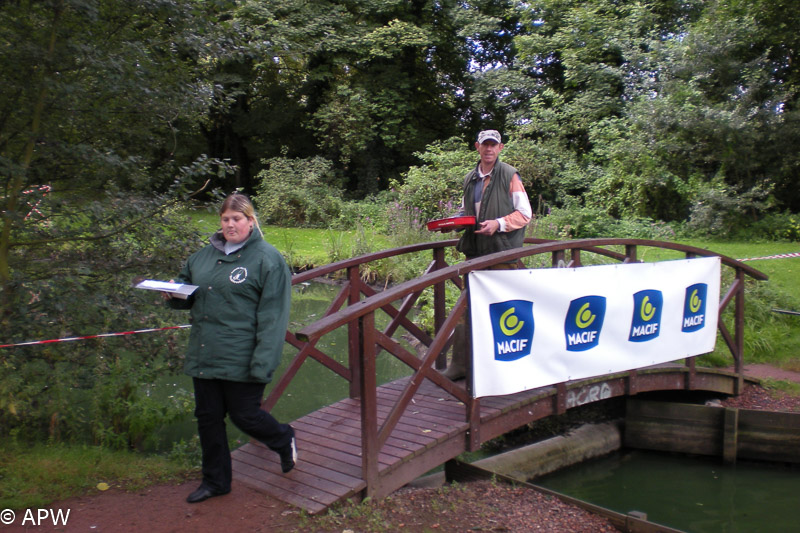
[167,295]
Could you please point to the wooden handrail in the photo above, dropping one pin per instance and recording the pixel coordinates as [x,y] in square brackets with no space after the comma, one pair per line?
[331,322]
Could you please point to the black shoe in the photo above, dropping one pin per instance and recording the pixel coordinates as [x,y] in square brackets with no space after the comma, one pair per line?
[289,454]
[203,493]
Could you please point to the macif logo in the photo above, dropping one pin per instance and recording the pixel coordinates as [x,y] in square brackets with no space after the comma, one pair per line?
[584,322]
[694,307]
[512,325]
[646,315]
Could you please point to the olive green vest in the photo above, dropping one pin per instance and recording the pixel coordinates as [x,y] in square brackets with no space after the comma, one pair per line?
[495,203]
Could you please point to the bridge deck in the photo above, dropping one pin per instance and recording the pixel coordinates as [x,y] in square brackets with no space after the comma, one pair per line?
[431,431]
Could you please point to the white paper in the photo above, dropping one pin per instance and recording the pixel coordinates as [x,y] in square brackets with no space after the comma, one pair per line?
[178,290]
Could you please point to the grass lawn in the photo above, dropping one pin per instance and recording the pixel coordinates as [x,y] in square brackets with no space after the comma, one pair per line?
[304,247]
[782,272]
[34,475]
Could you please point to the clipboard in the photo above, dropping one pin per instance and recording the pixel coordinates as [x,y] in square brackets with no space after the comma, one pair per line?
[177,290]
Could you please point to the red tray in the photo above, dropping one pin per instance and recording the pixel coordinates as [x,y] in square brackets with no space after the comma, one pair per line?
[451,223]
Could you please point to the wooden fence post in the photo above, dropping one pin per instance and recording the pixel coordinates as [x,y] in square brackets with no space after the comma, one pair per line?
[369,402]
[738,333]
[439,305]
[354,332]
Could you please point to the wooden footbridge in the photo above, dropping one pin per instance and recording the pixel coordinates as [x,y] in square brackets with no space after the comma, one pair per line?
[385,435]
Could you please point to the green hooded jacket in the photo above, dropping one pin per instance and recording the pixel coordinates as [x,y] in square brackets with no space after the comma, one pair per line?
[240,311]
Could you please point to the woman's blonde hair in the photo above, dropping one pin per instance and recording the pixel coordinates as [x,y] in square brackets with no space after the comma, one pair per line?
[241,203]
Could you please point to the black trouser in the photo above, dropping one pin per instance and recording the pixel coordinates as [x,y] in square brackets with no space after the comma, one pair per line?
[214,398]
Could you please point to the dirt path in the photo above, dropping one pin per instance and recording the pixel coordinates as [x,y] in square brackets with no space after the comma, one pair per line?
[762,371]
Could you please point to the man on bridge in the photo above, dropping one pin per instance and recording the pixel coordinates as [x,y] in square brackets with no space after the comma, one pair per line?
[495,195]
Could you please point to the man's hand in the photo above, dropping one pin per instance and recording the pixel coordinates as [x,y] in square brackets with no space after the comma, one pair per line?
[488,227]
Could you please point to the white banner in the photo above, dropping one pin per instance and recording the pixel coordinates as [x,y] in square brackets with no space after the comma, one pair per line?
[532,328]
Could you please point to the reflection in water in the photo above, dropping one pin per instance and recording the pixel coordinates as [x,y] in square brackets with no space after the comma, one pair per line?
[696,494]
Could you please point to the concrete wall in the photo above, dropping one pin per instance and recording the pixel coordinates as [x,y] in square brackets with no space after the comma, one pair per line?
[586,442]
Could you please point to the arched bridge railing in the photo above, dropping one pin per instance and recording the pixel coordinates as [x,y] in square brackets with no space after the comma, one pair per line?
[356,304]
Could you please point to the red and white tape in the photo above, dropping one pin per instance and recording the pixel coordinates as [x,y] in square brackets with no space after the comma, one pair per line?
[84,337]
[777,256]
[42,190]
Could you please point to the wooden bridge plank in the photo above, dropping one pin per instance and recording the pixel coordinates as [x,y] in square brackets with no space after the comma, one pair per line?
[334,459]
[420,426]
[346,441]
[413,443]
[300,479]
[396,440]
[309,453]
[402,437]
[428,410]
[425,418]
[323,467]
[426,391]
[404,433]
[428,405]
[287,487]
[413,426]
[256,482]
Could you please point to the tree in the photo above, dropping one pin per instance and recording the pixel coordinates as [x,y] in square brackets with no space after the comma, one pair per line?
[715,126]
[97,97]
[657,103]
[363,84]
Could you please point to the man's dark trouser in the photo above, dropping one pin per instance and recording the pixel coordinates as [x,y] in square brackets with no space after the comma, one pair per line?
[242,401]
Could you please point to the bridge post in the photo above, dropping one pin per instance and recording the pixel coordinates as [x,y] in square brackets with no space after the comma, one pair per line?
[560,399]
[439,300]
[473,406]
[558,259]
[690,375]
[632,385]
[575,258]
[630,253]
[738,309]
[369,402]
[354,331]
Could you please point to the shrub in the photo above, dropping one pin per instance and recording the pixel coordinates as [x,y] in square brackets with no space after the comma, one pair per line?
[778,226]
[371,212]
[439,181]
[298,192]
[719,210]
[576,222]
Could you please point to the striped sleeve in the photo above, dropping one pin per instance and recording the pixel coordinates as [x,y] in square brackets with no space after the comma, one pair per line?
[522,213]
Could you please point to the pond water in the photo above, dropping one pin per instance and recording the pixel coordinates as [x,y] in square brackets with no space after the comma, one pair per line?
[690,493]
[313,387]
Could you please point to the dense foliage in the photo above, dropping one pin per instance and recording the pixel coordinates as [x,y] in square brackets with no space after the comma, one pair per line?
[96,97]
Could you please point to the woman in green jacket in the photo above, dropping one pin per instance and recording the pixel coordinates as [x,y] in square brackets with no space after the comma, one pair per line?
[239,315]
